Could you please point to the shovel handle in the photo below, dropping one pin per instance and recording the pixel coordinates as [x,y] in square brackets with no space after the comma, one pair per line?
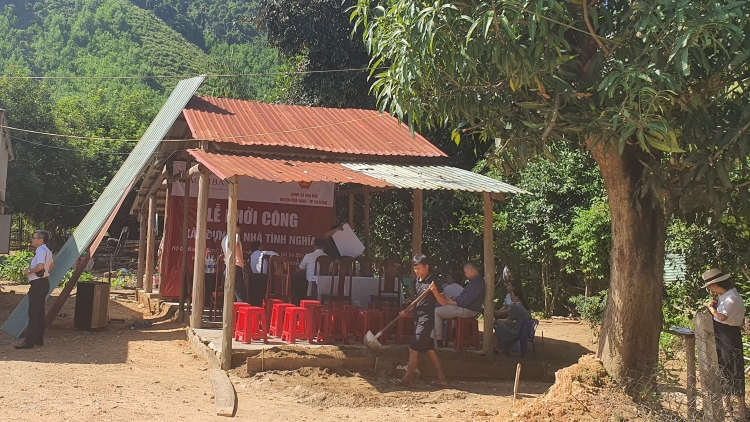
[408,309]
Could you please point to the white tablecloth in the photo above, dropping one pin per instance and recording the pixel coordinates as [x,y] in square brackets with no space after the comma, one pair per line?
[363,288]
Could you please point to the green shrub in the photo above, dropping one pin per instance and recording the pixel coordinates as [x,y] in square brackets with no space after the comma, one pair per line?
[591,308]
[12,268]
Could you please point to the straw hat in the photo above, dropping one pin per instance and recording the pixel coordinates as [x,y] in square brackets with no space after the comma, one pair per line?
[713,276]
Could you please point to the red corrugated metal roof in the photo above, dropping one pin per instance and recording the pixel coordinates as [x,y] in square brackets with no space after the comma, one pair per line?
[346,131]
[282,169]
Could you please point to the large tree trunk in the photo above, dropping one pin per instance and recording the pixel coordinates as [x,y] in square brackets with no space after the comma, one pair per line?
[629,337]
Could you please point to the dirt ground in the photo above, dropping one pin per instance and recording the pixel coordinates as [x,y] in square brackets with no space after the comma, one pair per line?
[149,374]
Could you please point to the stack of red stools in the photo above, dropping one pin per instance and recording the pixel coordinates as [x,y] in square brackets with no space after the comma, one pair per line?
[251,324]
[297,324]
[236,307]
[269,306]
[277,318]
[467,333]
[333,325]
[370,320]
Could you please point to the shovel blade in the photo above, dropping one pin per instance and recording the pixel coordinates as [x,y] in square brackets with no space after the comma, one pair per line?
[370,341]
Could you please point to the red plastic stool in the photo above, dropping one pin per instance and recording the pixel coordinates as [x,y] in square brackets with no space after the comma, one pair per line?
[467,333]
[252,320]
[333,325]
[297,324]
[269,307]
[277,318]
[235,320]
[352,315]
[405,329]
[304,303]
[369,320]
[314,310]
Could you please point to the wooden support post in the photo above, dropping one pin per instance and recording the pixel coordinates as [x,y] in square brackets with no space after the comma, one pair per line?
[367,221]
[515,385]
[416,237]
[351,211]
[690,353]
[708,363]
[229,279]
[148,274]
[183,266]
[199,270]
[142,218]
[489,274]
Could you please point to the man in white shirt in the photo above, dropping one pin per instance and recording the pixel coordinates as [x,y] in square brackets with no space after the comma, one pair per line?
[38,275]
[305,280]
[240,292]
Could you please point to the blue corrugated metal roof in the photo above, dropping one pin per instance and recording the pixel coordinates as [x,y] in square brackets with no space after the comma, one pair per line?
[110,200]
[675,268]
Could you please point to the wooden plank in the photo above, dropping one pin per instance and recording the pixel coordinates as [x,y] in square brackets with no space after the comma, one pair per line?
[227,333]
[148,273]
[498,370]
[489,274]
[708,363]
[416,237]
[141,249]
[183,263]
[367,221]
[225,397]
[199,275]
[65,294]
[259,364]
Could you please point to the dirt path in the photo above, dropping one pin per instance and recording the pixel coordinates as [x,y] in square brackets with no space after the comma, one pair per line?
[123,374]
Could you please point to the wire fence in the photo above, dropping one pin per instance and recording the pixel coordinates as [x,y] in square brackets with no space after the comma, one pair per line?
[690,385]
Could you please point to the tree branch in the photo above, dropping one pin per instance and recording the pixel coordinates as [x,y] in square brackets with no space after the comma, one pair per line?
[552,121]
[591,28]
[732,142]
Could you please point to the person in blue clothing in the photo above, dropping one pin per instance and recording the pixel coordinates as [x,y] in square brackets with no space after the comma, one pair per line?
[466,305]
[424,322]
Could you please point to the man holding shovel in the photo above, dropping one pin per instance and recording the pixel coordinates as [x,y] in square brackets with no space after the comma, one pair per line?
[424,323]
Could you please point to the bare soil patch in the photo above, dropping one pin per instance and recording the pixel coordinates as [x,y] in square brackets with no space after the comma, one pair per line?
[124,374]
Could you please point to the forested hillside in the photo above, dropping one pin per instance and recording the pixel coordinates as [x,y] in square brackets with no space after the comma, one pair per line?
[101,38]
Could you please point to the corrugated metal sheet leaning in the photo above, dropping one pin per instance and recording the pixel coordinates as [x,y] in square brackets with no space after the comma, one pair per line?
[111,199]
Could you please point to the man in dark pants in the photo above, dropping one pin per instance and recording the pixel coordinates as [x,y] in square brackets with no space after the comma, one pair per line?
[38,274]
[424,322]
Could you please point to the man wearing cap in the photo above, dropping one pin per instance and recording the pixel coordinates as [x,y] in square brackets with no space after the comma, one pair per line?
[728,311]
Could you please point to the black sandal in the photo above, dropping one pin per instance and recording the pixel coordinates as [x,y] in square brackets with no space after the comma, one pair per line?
[435,386]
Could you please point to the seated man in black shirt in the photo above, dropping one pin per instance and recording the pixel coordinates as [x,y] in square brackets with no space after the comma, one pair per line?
[466,305]
[424,322]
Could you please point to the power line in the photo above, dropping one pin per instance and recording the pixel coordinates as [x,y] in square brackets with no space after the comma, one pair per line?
[251,135]
[259,74]
[67,149]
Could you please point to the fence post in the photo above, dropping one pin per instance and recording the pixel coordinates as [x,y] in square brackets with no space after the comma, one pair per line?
[708,363]
[688,337]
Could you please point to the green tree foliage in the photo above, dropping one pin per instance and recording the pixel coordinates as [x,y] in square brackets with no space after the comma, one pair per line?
[654,88]
[560,233]
[315,35]
[100,38]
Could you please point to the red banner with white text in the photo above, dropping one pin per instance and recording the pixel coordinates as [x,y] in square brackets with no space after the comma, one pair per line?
[289,230]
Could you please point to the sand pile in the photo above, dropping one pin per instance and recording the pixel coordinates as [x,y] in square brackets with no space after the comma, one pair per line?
[582,392]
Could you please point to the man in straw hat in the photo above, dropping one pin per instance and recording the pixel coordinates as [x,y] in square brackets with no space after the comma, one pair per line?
[728,311]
